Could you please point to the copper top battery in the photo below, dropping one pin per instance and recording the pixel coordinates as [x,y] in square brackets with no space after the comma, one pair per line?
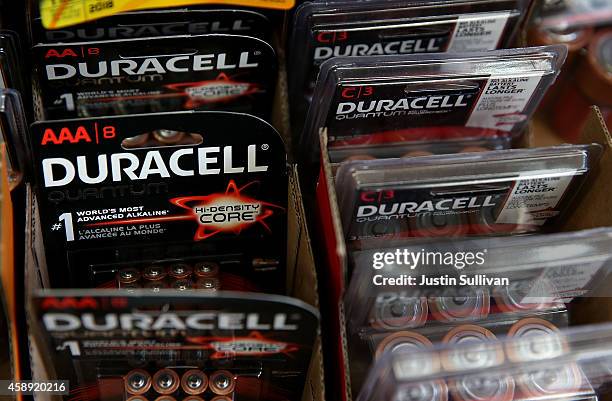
[575,39]
[182,285]
[515,299]
[482,388]
[222,382]
[539,339]
[469,307]
[436,390]
[594,75]
[399,313]
[206,269]
[154,273]
[194,382]
[404,341]
[479,351]
[439,225]
[208,283]
[127,276]
[165,397]
[137,398]
[137,382]
[194,398]
[166,381]
[135,141]
[155,285]
[180,270]
[168,137]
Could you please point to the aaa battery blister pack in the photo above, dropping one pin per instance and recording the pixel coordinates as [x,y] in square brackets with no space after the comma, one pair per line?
[415,295]
[429,97]
[201,72]
[535,361]
[149,188]
[173,347]
[499,192]
[157,23]
[323,30]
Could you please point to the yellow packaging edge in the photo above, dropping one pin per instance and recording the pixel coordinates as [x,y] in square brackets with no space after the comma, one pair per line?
[63,13]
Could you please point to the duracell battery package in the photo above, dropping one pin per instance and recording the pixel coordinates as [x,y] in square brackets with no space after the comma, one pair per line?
[535,361]
[146,192]
[156,23]
[488,193]
[131,76]
[327,29]
[429,96]
[167,346]
[414,295]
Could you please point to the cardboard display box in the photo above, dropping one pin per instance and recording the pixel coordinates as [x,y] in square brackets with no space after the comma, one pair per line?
[592,210]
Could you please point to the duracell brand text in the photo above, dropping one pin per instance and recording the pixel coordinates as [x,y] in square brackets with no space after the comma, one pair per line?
[410,46]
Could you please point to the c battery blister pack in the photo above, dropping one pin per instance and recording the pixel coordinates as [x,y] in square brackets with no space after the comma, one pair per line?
[535,361]
[499,192]
[412,296]
[147,191]
[157,23]
[323,30]
[167,346]
[429,97]
[200,72]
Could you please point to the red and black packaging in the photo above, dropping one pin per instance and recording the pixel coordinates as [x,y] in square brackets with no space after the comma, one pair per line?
[113,347]
[176,73]
[131,191]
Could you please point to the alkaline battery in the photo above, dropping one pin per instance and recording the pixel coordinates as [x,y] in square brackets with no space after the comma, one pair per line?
[154,273]
[456,360]
[222,382]
[206,269]
[515,298]
[155,285]
[165,397]
[439,225]
[482,388]
[436,390]
[166,381]
[127,277]
[398,312]
[194,382]
[471,306]
[137,382]
[137,398]
[403,341]
[135,141]
[539,339]
[194,398]
[180,271]
[208,283]
[168,137]
[182,285]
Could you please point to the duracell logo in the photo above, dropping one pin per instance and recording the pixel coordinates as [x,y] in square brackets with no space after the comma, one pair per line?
[152,65]
[368,108]
[63,322]
[134,31]
[413,208]
[117,167]
[410,46]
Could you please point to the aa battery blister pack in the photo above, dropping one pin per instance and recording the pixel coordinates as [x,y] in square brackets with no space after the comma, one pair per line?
[323,30]
[157,23]
[535,361]
[135,191]
[415,295]
[200,72]
[499,192]
[429,97]
[143,345]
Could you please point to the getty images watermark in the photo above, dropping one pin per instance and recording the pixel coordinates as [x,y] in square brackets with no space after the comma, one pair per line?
[411,260]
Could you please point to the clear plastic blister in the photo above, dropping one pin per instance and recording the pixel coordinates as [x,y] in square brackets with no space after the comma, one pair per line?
[535,362]
[327,29]
[499,192]
[482,288]
[430,96]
